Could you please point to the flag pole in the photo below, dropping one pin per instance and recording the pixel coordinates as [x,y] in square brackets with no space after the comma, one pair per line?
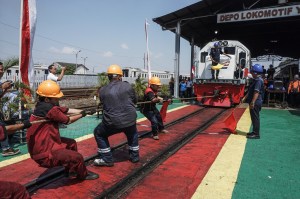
[20,60]
[148,54]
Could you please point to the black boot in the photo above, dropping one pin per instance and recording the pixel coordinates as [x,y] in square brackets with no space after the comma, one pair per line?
[253,136]
[91,176]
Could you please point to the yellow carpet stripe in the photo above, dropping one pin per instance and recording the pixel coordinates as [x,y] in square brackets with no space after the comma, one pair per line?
[85,137]
[220,180]
[14,160]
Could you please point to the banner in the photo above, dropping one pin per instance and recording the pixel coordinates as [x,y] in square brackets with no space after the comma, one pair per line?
[259,14]
[27,29]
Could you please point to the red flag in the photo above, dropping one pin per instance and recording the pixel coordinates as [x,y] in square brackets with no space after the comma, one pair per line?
[163,110]
[28,22]
[231,123]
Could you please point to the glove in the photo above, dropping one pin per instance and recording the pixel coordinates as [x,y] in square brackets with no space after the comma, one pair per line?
[26,124]
[83,113]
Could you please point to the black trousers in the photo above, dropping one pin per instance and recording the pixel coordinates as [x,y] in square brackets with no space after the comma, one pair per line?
[294,99]
[254,113]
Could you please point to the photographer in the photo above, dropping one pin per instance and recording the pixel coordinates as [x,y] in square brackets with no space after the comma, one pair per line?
[7,150]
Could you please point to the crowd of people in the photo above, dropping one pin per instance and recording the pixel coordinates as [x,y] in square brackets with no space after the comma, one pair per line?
[289,86]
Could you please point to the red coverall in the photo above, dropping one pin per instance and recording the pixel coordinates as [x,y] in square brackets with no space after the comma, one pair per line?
[48,149]
[11,190]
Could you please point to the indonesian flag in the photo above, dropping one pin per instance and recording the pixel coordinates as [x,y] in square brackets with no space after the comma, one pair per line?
[27,29]
[147,56]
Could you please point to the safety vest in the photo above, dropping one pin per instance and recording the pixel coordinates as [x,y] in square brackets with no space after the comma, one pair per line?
[294,87]
[148,90]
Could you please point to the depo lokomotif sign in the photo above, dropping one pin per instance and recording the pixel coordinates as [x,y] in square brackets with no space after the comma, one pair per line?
[267,13]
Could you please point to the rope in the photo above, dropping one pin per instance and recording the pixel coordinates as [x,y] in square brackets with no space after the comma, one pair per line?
[44,120]
[211,96]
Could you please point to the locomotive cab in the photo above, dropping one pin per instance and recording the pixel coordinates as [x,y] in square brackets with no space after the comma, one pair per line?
[229,88]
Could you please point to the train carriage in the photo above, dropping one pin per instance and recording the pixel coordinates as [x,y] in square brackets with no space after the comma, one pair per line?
[229,88]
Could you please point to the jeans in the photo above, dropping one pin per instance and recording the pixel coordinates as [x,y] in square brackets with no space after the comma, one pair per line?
[4,144]
[102,132]
[155,119]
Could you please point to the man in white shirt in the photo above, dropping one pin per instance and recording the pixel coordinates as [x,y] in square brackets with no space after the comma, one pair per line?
[52,71]
[51,76]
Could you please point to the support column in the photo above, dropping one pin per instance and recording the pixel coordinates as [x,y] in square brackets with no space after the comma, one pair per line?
[192,58]
[299,65]
[177,60]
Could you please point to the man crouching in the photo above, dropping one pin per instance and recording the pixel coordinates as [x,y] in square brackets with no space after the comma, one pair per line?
[45,145]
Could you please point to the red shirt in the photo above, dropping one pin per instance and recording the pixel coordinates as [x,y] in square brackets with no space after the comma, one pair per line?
[43,138]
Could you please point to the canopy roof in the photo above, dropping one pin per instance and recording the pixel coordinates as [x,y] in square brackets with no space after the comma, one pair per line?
[279,36]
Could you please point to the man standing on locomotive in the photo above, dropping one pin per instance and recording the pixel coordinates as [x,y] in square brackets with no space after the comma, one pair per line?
[215,59]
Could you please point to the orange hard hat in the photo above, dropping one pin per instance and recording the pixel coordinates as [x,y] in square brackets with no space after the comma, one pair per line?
[155,81]
[49,88]
[114,70]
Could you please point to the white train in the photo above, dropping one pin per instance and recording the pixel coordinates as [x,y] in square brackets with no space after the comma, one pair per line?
[229,88]
[131,74]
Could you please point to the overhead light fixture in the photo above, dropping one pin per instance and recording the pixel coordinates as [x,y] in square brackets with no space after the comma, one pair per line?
[216,32]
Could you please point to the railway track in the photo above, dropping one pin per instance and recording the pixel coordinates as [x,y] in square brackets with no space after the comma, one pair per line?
[125,184]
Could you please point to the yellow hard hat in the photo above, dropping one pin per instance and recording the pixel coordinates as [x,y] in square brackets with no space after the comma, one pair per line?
[114,70]
[155,81]
[49,88]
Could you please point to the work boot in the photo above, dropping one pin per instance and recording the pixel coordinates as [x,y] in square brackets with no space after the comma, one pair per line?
[91,176]
[100,162]
[134,160]
[155,137]
[10,152]
[164,131]
[250,133]
[253,136]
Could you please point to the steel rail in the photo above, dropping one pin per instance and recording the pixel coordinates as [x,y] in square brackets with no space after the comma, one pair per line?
[123,186]
[58,173]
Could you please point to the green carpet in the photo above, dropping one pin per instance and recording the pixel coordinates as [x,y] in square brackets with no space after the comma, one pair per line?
[271,165]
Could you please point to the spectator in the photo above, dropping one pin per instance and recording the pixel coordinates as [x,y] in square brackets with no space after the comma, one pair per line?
[264,72]
[11,189]
[271,72]
[150,110]
[189,87]
[51,76]
[7,150]
[293,91]
[119,115]
[45,145]
[182,89]
[52,73]
[171,86]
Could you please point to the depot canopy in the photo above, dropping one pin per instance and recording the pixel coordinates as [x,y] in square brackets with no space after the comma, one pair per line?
[264,26]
